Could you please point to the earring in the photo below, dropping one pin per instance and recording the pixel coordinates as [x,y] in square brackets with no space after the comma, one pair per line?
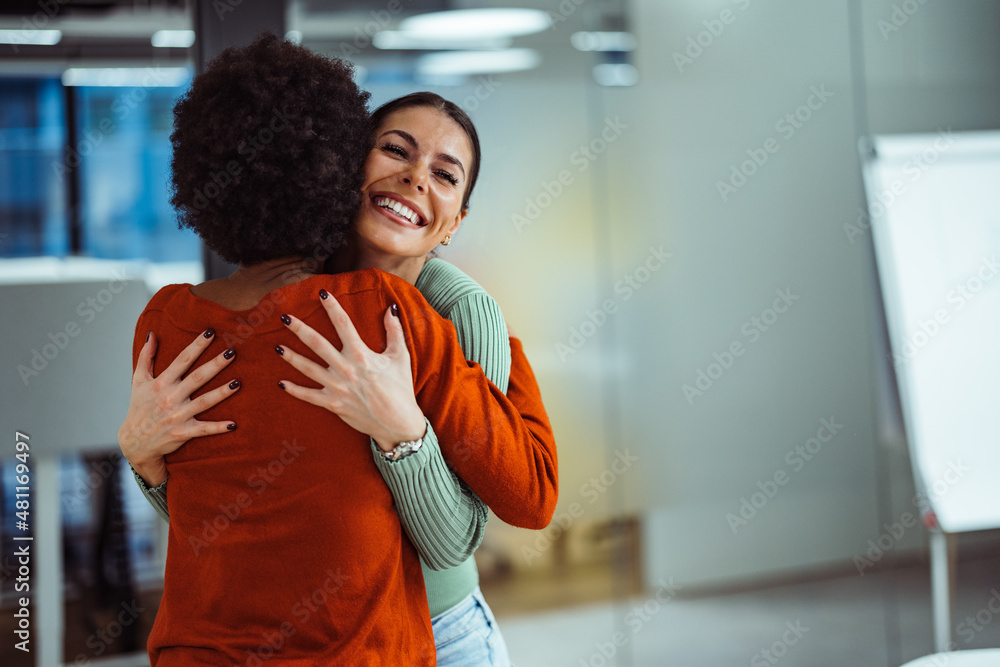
[447,239]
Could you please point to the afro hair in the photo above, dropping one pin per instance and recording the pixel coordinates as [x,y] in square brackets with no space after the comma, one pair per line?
[268,149]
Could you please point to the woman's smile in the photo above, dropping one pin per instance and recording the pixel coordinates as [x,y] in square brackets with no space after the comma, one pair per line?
[415,178]
[398,209]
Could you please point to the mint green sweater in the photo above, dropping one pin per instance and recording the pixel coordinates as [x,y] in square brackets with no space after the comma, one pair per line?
[443,518]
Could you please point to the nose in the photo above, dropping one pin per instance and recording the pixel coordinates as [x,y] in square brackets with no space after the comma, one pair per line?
[414,178]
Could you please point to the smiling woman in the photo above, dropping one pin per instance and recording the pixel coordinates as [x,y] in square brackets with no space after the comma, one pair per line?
[418,180]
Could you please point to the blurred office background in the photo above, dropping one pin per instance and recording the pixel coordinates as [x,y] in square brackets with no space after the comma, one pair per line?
[671,215]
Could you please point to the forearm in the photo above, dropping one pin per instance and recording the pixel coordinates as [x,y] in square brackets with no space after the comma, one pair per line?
[443,518]
[503,448]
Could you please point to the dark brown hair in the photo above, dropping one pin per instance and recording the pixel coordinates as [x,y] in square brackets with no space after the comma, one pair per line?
[450,109]
[269,144]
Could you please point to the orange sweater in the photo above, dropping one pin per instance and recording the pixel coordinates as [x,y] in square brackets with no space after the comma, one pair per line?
[284,544]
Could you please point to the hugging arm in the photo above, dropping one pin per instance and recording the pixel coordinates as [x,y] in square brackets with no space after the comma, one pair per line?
[507,459]
[482,335]
[445,520]
[161,413]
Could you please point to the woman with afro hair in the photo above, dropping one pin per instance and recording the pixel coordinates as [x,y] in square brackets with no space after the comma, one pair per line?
[269,145]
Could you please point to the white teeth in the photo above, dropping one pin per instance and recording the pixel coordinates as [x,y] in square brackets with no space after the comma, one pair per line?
[400,209]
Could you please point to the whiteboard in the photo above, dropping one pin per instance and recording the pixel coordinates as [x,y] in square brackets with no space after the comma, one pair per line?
[934,204]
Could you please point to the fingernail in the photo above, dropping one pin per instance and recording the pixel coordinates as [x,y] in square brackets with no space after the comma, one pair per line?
[277,348]
[209,333]
[231,427]
[286,320]
[147,335]
[394,309]
[323,294]
[281,384]
[229,354]
[235,384]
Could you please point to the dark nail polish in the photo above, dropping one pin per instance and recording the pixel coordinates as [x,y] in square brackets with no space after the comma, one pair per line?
[229,354]
[281,384]
[279,350]
[394,309]
[147,335]
[235,384]
[286,320]
[323,294]
[231,427]
[209,333]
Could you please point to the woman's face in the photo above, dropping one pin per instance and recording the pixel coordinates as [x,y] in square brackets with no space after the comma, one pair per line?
[419,165]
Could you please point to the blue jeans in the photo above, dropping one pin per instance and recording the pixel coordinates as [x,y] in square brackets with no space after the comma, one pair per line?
[467,635]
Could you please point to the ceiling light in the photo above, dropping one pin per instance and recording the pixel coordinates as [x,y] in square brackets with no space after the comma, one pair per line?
[406,40]
[139,77]
[603,41]
[31,37]
[616,74]
[177,39]
[477,23]
[456,63]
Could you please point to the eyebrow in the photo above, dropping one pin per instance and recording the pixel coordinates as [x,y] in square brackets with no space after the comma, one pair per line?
[407,137]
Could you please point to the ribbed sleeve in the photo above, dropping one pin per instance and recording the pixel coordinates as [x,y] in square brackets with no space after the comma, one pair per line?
[481,328]
[442,517]
[157,497]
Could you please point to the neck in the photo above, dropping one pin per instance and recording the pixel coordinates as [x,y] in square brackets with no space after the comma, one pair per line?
[275,273]
[356,256]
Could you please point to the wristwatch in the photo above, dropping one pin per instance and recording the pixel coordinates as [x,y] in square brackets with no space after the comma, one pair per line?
[403,449]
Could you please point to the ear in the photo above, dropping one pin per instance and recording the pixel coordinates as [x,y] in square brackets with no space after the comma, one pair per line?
[458,222]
